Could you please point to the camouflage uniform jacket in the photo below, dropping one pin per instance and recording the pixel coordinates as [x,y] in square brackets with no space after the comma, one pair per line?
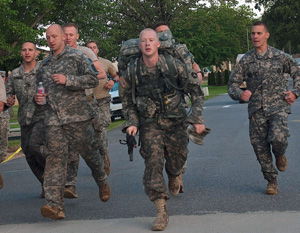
[67,103]
[130,109]
[24,86]
[267,78]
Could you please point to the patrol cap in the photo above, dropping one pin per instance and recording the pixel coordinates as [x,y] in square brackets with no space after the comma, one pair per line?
[195,137]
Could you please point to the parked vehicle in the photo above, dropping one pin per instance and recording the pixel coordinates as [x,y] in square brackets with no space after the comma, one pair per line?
[115,104]
[206,71]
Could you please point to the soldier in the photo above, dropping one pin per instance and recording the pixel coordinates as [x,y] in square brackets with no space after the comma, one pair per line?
[266,71]
[189,60]
[66,73]
[152,104]
[103,98]
[71,32]
[2,102]
[22,83]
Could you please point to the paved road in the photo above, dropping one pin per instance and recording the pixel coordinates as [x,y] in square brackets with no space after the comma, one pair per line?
[224,188]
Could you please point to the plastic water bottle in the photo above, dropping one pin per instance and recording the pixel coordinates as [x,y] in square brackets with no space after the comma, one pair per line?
[41,90]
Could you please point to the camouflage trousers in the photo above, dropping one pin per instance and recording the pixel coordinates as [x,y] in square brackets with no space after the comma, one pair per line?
[59,139]
[268,133]
[100,123]
[4,132]
[32,139]
[162,143]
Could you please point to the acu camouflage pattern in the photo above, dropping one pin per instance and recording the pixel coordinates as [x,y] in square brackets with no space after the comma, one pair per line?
[24,86]
[100,123]
[267,78]
[268,132]
[30,117]
[133,113]
[4,132]
[161,137]
[79,137]
[68,103]
[179,51]
[164,139]
[103,121]
[68,120]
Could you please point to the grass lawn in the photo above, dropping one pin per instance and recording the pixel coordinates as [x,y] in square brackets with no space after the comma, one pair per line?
[213,92]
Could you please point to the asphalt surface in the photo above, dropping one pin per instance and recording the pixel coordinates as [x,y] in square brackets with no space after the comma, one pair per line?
[224,188]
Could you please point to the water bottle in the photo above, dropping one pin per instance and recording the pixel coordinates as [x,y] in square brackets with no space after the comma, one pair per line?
[41,90]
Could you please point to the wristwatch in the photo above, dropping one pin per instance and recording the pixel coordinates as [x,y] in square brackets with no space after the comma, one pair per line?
[200,71]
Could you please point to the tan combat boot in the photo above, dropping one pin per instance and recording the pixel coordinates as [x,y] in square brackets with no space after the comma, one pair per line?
[104,192]
[70,192]
[162,217]
[174,185]
[281,163]
[52,212]
[272,187]
[181,184]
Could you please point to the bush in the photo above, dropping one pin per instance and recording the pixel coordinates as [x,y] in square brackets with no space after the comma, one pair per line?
[219,78]
[211,79]
[226,76]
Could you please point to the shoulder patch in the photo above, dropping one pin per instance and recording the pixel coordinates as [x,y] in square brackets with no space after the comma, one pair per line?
[122,82]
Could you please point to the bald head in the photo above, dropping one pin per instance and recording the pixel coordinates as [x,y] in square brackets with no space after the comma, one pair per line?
[55,38]
[55,27]
[148,31]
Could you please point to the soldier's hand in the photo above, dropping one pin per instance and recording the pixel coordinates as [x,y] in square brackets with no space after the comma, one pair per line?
[59,78]
[290,97]
[131,130]
[109,85]
[245,95]
[10,101]
[39,98]
[199,128]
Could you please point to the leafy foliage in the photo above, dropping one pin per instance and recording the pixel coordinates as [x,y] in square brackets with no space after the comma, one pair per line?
[213,34]
[283,20]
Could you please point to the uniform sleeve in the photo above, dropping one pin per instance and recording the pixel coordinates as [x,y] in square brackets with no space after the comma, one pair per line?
[129,109]
[10,91]
[193,88]
[235,81]
[87,75]
[295,75]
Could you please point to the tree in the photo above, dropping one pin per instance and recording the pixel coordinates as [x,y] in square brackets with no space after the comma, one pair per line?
[283,20]
[215,34]
[23,20]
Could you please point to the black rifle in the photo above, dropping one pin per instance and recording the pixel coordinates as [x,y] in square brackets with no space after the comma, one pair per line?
[131,143]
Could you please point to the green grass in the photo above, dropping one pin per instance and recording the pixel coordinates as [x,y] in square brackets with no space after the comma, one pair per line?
[213,92]
[115,124]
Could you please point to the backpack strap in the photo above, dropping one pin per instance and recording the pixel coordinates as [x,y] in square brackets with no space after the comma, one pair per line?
[171,66]
[132,76]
